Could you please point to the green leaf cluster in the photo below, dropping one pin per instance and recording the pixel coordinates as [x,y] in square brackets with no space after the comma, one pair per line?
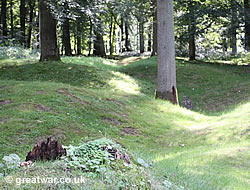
[93,156]
[9,164]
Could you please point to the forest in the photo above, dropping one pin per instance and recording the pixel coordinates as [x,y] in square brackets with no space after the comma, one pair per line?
[128,94]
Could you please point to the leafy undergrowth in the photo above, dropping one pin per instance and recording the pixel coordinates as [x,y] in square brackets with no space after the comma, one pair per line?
[83,99]
[240,59]
[98,164]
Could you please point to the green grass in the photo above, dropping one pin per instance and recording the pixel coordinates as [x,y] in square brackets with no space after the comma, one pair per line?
[88,98]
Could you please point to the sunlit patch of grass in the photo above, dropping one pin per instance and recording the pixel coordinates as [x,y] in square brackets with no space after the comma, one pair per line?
[93,62]
[124,83]
[207,167]
[204,84]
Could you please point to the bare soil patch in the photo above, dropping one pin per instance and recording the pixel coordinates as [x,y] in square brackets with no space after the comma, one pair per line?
[41,107]
[41,92]
[2,87]
[115,101]
[73,97]
[4,102]
[112,121]
[129,131]
[3,120]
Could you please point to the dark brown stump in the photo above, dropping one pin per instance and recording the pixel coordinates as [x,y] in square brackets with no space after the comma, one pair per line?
[50,150]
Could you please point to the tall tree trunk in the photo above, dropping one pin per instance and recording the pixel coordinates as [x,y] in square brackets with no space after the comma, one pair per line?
[22,21]
[11,20]
[141,33]
[48,38]
[233,28]
[4,17]
[112,50]
[150,38]
[224,45]
[122,36]
[110,35]
[247,24]
[66,31]
[166,78]
[90,36]
[127,40]
[154,29]
[191,31]
[66,37]
[99,49]
[31,16]
[192,48]
[79,39]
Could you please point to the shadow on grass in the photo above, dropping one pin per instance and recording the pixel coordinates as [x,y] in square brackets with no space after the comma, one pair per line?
[68,73]
[212,88]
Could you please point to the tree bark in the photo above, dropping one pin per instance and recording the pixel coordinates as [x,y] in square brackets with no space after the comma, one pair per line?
[43,151]
[166,75]
[79,39]
[66,37]
[99,49]
[11,20]
[31,16]
[122,36]
[22,21]
[90,36]
[192,48]
[233,28]
[191,31]
[112,50]
[4,17]
[47,30]
[141,31]
[154,52]
[110,35]
[127,40]
[247,24]
[150,38]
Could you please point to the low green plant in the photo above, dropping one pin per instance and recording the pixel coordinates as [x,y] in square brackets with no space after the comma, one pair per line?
[9,164]
[94,156]
[108,162]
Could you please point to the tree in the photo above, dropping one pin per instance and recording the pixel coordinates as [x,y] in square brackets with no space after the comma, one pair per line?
[4,17]
[31,16]
[79,39]
[166,75]
[22,21]
[127,40]
[11,19]
[99,49]
[66,31]
[247,24]
[48,38]
[191,30]
[141,33]
[66,37]
[154,28]
[233,27]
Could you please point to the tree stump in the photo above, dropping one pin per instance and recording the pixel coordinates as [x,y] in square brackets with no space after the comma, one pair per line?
[50,150]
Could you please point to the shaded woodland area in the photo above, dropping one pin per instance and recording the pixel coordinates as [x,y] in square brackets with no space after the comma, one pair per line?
[99,27]
[130,94]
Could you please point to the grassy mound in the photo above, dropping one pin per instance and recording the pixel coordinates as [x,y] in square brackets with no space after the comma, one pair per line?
[81,99]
